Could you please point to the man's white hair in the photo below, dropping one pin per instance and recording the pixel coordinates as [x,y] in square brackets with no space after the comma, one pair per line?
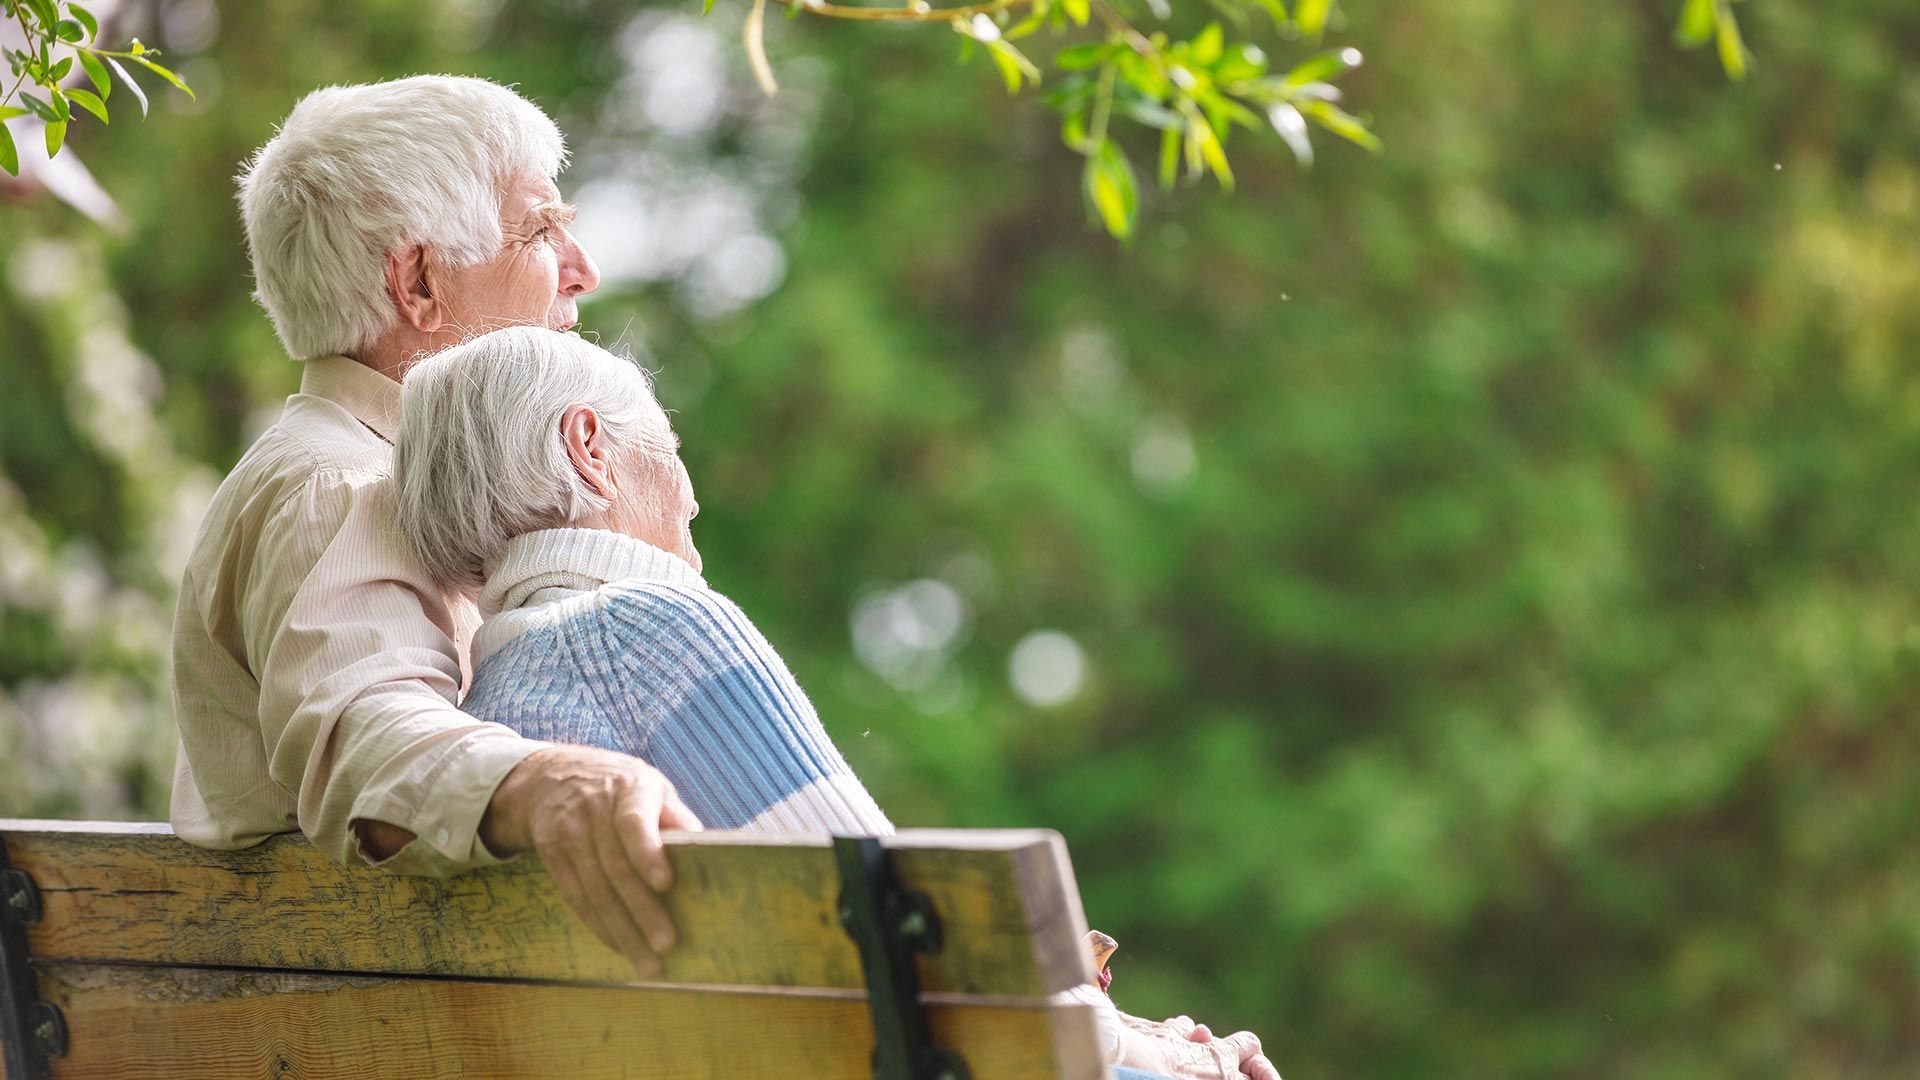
[480,458]
[356,172]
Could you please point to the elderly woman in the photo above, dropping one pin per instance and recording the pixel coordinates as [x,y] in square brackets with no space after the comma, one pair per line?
[539,471]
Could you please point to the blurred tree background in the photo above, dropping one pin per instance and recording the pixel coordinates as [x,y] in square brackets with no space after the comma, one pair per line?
[1459,605]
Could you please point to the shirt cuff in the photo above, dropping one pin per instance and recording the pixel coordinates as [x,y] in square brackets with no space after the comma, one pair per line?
[446,826]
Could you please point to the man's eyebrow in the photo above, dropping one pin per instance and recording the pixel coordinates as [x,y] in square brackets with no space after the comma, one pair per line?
[554,213]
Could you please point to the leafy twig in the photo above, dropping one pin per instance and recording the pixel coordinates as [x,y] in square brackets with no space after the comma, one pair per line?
[51,25]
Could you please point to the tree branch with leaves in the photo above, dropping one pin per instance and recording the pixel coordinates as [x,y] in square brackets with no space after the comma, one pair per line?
[1191,91]
[57,36]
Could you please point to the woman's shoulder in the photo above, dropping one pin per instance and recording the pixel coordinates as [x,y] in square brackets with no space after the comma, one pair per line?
[653,601]
[694,613]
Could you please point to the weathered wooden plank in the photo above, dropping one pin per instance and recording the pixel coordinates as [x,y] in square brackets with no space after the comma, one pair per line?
[752,910]
[210,1024]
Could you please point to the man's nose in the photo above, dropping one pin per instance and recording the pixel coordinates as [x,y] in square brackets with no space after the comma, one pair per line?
[578,274]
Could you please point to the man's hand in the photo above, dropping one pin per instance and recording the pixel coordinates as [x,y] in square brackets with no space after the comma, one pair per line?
[1245,1044]
[594,818]
[1158,1047]
[1147,1044]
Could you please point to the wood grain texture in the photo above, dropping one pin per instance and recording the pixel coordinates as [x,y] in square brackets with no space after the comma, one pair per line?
[752,910]
[129,1022]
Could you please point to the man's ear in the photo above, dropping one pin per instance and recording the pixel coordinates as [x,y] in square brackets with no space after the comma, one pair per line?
[412,281]
[585,439]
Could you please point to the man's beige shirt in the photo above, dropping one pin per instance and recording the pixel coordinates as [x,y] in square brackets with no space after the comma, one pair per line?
[316,669]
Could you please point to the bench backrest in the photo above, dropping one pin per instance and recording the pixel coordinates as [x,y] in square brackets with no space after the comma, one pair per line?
[163,959]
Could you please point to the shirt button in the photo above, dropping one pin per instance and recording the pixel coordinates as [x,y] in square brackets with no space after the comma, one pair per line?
[442,837]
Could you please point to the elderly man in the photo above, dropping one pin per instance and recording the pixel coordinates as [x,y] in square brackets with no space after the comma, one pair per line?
[316,665]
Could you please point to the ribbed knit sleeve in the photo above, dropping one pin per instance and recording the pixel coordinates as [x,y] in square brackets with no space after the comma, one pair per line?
[704,697]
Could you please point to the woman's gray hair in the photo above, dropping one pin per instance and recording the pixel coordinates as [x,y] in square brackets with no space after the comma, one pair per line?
[357,172]
[480,458]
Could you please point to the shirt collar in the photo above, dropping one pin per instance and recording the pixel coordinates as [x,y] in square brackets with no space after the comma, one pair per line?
[371,397]
[579,560]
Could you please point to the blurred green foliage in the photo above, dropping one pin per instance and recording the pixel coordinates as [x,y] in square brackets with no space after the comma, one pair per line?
[1459,604]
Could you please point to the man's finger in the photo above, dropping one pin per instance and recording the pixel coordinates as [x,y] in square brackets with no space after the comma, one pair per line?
[642,905]
[675,815]
[1200,1033]
[1244,1044]
[1180,1025]
[637,817]
[626,934]
[566,880]
[1258,1067]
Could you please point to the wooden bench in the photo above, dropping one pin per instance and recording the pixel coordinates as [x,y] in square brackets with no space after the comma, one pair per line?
[129,952]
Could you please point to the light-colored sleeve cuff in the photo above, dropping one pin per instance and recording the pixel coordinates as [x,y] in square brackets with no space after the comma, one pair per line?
[1106,1018]
[446,827]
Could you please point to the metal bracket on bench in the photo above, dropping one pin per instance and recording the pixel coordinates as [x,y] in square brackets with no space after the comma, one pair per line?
[33,1030]
[890,924]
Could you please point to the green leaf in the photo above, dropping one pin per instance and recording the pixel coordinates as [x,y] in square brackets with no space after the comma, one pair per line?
[1082,57]
[1726,36]
[165,74]
[1111,188]
[9,154]
[97,71]
[1696,23]
[1009,70]
[1242,64]
[1013,64]
[1038,16]
[1073,130]
[708,9]
[8,112]
[59,102]
[69,30]
[1341,123]
[1078,10]
[139,94]
[39,107]
[1215,155]
[1208,44]
[86,19]
[56,135]
[1311,15]
[1327,65]
[86,100]
[44,12]
[1169,158]
[60,70]
[1292,128]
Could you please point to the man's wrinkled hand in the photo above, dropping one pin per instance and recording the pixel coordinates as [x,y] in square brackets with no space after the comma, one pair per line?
[1253,1063]
[594,817]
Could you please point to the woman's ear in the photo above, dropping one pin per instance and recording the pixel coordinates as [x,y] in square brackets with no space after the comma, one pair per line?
[585,439]
[412,282]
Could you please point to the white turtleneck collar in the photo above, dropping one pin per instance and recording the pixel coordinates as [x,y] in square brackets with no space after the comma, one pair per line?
[574,561]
